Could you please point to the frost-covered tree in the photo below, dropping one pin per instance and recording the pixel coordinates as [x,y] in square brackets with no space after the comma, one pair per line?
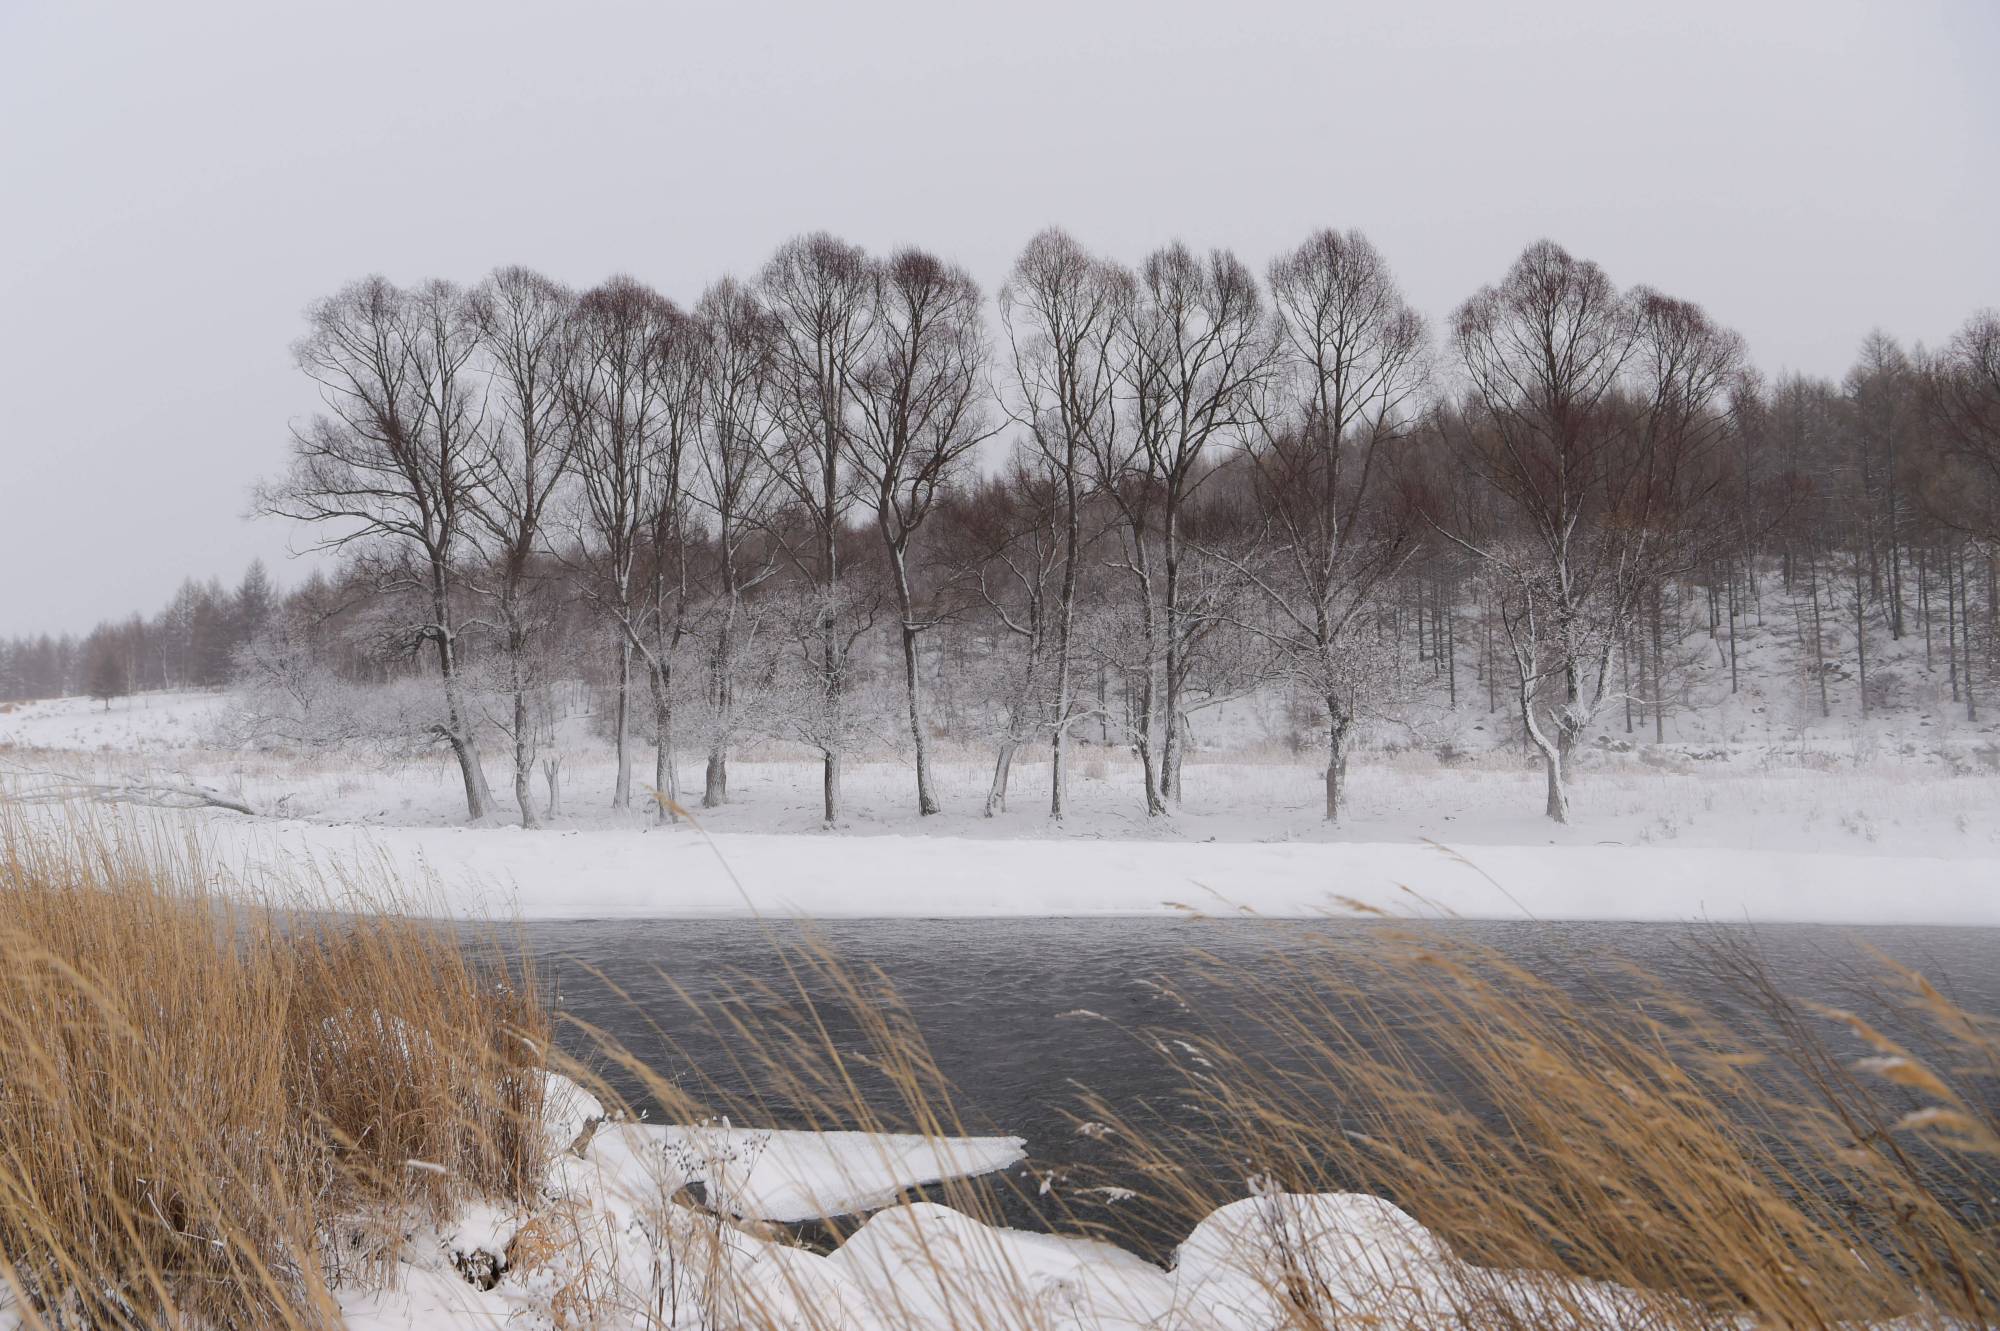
[1595,424]
[526,326]
[1543,353]
[1061,307]
[736,421]
[107,673]
[1194,349]
[1007,535]
[391,470]
[921,412]
[820,294]
[1327,529]
[625,405]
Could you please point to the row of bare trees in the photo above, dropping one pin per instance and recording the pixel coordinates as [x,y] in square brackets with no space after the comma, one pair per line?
[479,446]
[1197,453]
[1112,497]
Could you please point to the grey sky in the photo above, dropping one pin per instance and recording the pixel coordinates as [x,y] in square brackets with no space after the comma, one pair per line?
[178,180]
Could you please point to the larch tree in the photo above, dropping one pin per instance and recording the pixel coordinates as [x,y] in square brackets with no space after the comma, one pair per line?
[1685,368]
[1961,404]
[107,674]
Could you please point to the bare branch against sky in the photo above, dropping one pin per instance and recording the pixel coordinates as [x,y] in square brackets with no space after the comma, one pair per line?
[178,182]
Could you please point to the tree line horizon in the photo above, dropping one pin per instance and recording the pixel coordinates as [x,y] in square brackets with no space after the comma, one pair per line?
[1212,483]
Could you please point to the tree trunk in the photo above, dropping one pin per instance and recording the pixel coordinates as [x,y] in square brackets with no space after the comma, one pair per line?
[621,793]
[1056,771]
[552,773]
[830,786]
[524,760]
[666,780]
[1072,550]
[1819,646]
[829,778]
[478,799]
[1558,804]
[524,738]
[715,779]
[1336,758]
[996,794]
[1861,639]
[1170,749]
[1659,677]
[1151,777]
[1155,779]
[926,801]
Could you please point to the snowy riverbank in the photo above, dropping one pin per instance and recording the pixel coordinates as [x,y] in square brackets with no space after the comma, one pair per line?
[619,1242]
[557,874]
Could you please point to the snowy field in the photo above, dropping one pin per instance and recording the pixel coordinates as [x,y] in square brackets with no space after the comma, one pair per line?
[1838,824]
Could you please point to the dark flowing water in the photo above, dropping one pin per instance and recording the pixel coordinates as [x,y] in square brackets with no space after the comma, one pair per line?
[990,998]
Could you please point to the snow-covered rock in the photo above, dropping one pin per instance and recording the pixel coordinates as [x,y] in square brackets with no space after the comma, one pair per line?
[924,1265]
[1352,1252]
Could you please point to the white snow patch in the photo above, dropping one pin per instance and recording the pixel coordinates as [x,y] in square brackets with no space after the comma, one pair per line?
[761,1174]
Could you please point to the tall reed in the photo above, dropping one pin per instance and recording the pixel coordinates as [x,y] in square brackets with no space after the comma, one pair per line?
[214,1106]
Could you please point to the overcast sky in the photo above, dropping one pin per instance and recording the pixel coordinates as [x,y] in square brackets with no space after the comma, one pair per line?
[178,180]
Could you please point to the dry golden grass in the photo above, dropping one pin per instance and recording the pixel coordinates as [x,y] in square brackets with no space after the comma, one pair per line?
[1771,1178]
[207,1104]
[1631,1159]
[213,1114]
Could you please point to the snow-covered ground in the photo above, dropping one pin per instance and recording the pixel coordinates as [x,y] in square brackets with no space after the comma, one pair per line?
[1767,817]
[616,1244]
[1835,822]
[497,872]
[613,1239]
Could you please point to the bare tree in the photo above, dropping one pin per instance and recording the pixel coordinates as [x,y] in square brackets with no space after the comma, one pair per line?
[1544,353]
[1351,364]
[1599,426]
[1061,309]
[619,410]
[1686,368]
[1961,401]
[1195,349]
[736,422]
[1008,536]
[659,621]
[106,674]
[393,468]
[819,292]
[921,413]
[524,320]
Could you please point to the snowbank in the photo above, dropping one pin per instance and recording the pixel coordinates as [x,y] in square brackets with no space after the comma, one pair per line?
[919,1266]
[675,872]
